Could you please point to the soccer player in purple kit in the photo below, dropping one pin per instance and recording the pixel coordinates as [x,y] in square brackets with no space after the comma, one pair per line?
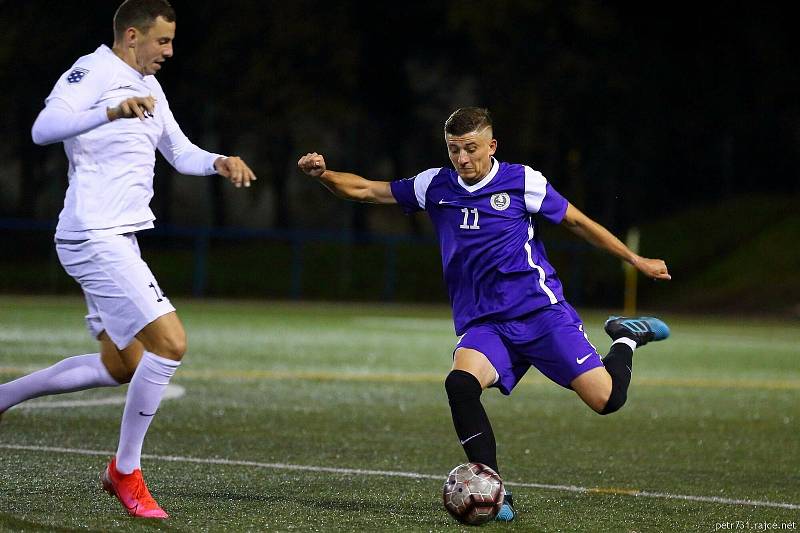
[508,304]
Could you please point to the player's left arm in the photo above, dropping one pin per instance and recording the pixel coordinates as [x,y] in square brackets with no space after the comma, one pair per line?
[188,158]
[594,233]
[235,169]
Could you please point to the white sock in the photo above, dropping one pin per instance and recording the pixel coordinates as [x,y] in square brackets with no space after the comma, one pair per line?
[72,374]
[144,396]
[626,341]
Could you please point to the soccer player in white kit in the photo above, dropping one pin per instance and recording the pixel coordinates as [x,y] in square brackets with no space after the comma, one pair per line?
[111,114]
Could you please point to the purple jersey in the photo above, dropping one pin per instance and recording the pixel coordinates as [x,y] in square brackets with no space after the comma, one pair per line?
[494,263]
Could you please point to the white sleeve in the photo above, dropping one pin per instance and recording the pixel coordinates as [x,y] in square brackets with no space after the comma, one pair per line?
[81,86]
[535,189]
[186,157]
[70,108]
[421,183]
[57,122]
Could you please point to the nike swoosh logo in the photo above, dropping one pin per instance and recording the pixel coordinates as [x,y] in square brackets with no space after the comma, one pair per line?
[470,438]
[581,360]
[443,201]
[124,87]
[145,414]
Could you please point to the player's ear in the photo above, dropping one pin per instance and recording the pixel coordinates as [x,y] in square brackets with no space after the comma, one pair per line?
[131,36]
[492,146]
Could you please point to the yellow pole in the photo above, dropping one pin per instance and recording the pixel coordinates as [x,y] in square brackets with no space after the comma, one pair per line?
[631,278]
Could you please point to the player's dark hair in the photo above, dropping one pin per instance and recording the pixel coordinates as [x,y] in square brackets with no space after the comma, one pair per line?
[141,14]
[467,119]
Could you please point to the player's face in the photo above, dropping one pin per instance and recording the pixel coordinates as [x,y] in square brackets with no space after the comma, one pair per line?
[154,47]
[471,153]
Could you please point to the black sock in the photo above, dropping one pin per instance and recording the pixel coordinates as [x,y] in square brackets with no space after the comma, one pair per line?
[469,418]
[619,364]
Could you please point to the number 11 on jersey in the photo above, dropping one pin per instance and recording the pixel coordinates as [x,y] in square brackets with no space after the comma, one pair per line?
[465,224]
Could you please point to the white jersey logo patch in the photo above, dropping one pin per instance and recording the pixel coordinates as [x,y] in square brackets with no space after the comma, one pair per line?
[500,201]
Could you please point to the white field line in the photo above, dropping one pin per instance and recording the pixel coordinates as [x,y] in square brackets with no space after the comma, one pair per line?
[413,475]
[170,393]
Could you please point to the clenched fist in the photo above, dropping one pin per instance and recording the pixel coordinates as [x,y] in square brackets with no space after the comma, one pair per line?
[312,164]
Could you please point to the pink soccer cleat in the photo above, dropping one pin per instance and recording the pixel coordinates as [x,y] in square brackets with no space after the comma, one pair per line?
[131,491]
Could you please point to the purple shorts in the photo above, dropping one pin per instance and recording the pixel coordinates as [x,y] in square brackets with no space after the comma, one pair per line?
[551,339]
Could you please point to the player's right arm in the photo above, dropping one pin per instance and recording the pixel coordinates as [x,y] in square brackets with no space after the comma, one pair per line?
[58,121]
[71,108]
[346,185]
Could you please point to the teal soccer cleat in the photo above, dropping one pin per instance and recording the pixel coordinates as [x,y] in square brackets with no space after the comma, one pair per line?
[641,329]
[507,512]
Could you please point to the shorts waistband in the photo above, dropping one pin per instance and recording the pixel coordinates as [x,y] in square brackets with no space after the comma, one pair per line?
[81,241]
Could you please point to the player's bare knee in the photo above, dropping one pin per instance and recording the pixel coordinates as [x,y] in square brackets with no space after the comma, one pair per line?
[118,369]
[122,376]
[601,396]
[172,346]
[595,400]
[594,391]
[597,405]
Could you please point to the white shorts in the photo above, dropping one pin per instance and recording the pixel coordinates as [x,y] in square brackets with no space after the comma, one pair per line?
[121,293]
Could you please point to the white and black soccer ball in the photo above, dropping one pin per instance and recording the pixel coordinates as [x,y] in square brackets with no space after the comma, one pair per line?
[473,493]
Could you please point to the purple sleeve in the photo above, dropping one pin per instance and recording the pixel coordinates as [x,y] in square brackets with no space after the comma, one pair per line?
[403,192]
[554,206]
[411,193]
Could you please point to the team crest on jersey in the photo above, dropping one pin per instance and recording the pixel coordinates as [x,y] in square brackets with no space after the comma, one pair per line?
[77,75]
[500,201]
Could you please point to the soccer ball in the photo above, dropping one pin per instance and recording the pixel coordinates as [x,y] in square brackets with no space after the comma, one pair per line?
[473,493]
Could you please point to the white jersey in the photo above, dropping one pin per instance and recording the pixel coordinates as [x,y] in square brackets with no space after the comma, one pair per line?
[111,163]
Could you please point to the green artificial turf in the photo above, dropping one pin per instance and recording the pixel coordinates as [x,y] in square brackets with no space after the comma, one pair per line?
[295,416]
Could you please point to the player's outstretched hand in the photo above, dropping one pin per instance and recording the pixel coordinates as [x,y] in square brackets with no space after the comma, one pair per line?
[140,107]
[652,268]
[312,164]
[235,169]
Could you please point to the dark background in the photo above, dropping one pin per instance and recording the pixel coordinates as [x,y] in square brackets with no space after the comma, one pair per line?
[637,112]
